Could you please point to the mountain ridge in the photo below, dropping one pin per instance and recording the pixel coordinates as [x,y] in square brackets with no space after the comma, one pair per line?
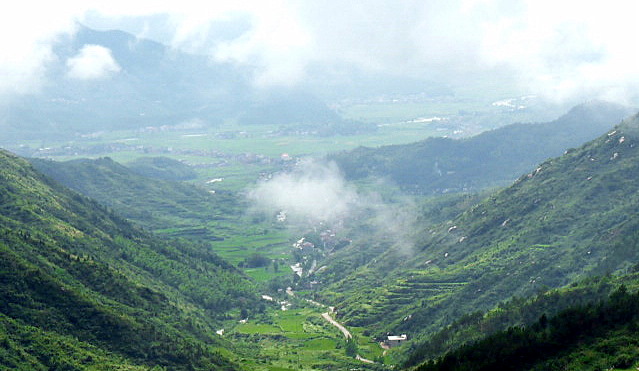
[152,86]
[492,158]
[558,223]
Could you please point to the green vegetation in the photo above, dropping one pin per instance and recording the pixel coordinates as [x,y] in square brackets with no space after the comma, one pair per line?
[517,311]
[296,339]
[163,168]
[560,223]
[507,274]
[493,158]
[174,209]
[160,205]
[144,301]
[588,337]
[74,273]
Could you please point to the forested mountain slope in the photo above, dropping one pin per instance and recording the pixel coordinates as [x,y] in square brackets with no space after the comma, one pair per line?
[568,218]
[81,287]
[594,336]
[155,204]
[493,158]
[519,312]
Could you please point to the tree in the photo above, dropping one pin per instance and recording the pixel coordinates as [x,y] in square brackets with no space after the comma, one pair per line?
[351,348]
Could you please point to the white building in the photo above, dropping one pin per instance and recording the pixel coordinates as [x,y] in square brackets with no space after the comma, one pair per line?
[394,340]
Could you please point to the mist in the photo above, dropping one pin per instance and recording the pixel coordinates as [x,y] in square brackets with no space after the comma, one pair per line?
[315,194]
[312,192]
[92,62]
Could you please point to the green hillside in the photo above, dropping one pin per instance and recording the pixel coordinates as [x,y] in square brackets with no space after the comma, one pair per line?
[83,288]
[218,220]
[517,312]
[493,158]
[176,208]
[569,218]
[162,168]
[593,336]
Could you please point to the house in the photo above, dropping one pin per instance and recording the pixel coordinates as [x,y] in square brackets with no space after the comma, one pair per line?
[394,340]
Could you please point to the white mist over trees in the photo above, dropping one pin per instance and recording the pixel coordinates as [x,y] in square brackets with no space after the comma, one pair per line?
[315,192]
[91,63]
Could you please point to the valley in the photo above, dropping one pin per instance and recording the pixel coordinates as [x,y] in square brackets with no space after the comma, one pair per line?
[346,262]
[220,197]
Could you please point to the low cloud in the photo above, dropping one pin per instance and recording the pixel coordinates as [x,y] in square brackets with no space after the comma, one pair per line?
[313,192]
[93,62]
[316,192]
[563,50]
[28,29]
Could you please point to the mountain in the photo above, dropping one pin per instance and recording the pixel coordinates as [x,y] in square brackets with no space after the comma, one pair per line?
[493,158]
[148,84]
[569,218]
[165,206]
[82,287]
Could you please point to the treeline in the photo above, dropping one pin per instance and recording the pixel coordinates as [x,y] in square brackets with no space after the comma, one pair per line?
[551,343]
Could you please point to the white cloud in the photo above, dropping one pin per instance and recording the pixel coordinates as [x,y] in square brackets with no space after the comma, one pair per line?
[27,30]
[314,192]
[91,63]
[278,45]
[560,48]
[569,48]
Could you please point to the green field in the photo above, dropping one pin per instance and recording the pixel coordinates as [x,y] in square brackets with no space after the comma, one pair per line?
[239,160]
[298,339]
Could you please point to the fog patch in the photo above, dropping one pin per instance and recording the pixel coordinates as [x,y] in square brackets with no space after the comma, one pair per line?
[311,193]
[394,221]
[93,62]
[316,195]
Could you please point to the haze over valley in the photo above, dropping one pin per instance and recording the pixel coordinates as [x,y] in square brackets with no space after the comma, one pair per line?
[421,185]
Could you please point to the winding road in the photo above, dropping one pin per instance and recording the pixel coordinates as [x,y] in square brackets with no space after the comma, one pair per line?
[347,334]
[344,330]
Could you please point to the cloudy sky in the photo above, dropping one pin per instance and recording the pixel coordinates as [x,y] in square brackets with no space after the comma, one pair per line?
[555,48]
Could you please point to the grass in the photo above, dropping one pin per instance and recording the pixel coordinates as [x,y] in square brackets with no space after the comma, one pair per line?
[257,328]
